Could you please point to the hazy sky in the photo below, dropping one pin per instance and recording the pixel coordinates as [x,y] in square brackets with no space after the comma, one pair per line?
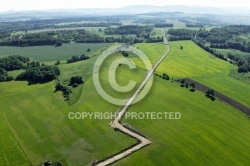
[65,4]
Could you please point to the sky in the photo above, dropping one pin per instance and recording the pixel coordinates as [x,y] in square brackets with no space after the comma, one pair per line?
[6,5]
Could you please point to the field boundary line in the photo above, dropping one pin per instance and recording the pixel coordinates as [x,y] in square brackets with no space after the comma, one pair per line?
[5,119]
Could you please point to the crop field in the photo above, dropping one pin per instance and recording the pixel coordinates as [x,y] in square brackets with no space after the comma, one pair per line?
[211,71]
[153,51]
[211,133]
[11,152]
[49,134]
[51,53]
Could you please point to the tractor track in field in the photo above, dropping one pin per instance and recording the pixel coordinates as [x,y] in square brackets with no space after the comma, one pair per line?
[142,141]
[201,87]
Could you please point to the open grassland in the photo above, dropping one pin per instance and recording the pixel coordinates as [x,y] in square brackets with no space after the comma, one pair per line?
[208,133]
[51,53]
[10,153]
[153,51]
[39,119]
[245,77]
[225,52]
[156,32]
[203,67]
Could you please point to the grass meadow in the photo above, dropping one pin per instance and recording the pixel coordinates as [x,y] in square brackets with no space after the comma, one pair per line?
[195,63]
[208,133]
[39,120]
[51,53]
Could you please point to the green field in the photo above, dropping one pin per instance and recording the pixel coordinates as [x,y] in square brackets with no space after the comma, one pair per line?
[153,51]
[11,152]
[210,70]
[51,53]
[49,134]
[225,52]
[209,133]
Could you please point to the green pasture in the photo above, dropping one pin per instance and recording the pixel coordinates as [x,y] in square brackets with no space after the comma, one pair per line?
[208,133]
[51,53]
[195,63]
[39,119]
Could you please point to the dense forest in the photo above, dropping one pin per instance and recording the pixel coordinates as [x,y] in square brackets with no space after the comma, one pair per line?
[181,34]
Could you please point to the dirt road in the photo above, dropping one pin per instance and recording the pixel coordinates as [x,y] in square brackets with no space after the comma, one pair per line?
[116,122]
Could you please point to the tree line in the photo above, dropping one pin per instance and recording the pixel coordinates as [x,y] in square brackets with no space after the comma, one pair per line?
[208,49]
[56,38]
[181,34]
[76,58]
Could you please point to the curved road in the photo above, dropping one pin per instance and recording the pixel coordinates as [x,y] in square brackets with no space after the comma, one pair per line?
[116,124]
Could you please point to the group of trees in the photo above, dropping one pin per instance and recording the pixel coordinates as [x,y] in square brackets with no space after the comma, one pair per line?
[29,39]
[124,53]
[14,62]
[181,34]
[187,85]
[64,89]
[243,63]
[34,64]
[57,38]
[163,25]
[193,25]
[76,58]
[10,63]
[4,75]
[129,29]
[165,76]
[40,74]
[210,94]
[155,39]
[75,81]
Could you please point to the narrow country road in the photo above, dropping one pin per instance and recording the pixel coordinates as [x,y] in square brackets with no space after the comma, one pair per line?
[116,124]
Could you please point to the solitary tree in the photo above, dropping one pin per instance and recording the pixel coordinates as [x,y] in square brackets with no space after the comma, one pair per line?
[207,93]
[182,82]
[57,63]
[58,44]
[211,92]
[192,85]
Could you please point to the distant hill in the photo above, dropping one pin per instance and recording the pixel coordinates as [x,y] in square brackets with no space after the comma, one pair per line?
[148,9]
